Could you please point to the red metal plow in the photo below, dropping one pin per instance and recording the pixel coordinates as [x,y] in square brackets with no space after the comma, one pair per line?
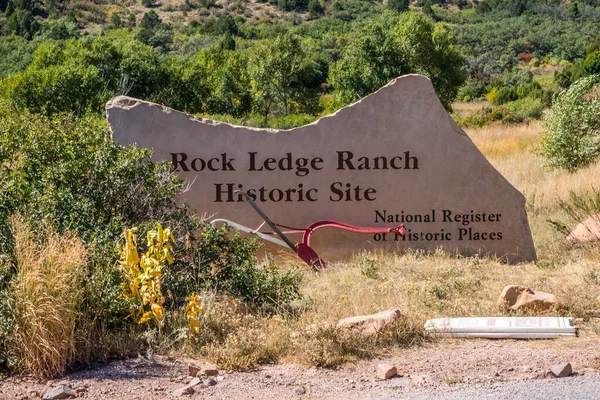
[302,249]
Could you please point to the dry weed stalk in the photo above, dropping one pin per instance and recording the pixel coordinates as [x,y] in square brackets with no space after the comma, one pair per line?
[47,296]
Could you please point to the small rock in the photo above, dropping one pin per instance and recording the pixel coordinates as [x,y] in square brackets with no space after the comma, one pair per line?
[300,390]
[586,231]
[80,389]
[222,378]
[541,375]
[199,387]
[386,371]
[59,392]
[514,297]
[369,325]
[561,370]
[194,382]
[211,372]
[193,370]
[210,382]
[184,391]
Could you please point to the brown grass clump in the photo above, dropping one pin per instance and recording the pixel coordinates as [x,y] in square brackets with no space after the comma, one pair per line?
[236,339]
[325,345]
[47,295]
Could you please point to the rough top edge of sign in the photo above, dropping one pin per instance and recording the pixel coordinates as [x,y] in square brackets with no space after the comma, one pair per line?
[127,103]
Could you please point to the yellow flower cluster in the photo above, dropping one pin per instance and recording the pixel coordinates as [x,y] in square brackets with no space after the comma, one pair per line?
[142,275]
[193,309]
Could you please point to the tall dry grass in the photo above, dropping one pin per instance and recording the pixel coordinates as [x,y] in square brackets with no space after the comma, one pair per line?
[47,297]
[512,149]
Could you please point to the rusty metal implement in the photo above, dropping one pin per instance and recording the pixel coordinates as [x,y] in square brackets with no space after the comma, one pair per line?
[302,249]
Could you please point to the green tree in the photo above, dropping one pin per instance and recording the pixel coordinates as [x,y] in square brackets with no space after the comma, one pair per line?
[378,54]
[150,20]
[427,10]
[398,5]
[9,10]
[148,3]
[28,5]
[280,71]
[429,50]
[370,60]
[22,23]
[228,42]
[571,137]
[226,25]
[483,8]
[592,63]
[315,8]
[574,12]
[115,21]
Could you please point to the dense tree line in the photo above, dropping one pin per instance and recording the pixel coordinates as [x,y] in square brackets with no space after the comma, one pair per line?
[228,68]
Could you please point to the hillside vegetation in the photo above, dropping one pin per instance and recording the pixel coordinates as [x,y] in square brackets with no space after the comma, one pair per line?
[99,260]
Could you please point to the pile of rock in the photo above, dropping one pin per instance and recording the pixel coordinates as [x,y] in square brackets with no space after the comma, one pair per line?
[201,378]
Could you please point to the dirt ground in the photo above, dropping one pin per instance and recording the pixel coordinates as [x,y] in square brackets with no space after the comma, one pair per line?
[439,368]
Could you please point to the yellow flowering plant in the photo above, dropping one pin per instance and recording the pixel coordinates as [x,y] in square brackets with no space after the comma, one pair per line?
[142,275]
[193,309]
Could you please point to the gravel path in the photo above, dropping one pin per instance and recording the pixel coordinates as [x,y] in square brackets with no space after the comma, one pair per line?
[572,388]
[449,369]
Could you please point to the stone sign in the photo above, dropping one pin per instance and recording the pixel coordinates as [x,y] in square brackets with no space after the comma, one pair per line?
[394,157]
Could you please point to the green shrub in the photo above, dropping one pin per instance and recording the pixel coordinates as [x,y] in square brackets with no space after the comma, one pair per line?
[526,108]
[225,262]
[504,95]
[571,138]
[69,172]
[22,23]
[398,5]
[592,63]
[471,90]
[533,89]
[315,8]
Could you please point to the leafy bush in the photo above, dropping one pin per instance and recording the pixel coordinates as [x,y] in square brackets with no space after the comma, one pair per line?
[16,54]
[571,138]
[471,90]
[70,173]
[526,108]
[22,23]
[533,89]
[592,63]
[224,262]
[504,95]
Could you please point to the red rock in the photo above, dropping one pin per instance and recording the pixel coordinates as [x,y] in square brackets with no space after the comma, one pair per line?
[561,370]
[386,371]
[193,370]
[369,325]
[586,231]
[516,297]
